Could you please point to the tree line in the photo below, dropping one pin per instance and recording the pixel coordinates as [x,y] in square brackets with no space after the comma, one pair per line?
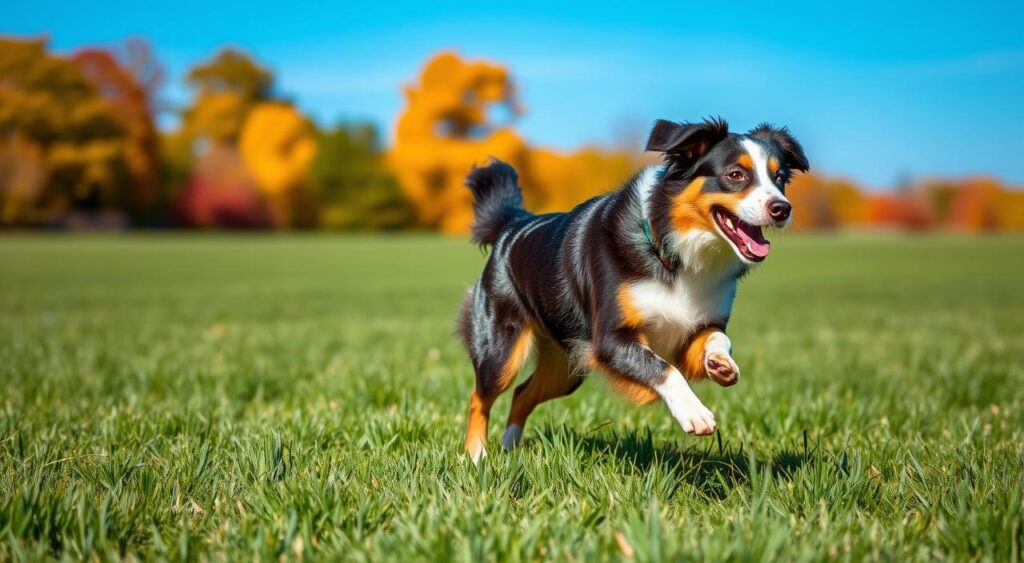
[80,148]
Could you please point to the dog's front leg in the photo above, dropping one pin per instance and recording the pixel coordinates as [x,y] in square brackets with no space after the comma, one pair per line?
[623,356]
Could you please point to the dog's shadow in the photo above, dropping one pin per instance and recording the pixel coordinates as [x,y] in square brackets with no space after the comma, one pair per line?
[714,469]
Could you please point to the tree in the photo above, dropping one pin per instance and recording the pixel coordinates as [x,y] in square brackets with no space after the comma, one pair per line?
[975,206]
[227,87]
[63,146]
[129,84]
[277,145]
[221,189]
[353,184]
[444,130]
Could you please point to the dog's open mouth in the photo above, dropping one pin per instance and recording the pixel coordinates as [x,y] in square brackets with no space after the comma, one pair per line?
[748,239]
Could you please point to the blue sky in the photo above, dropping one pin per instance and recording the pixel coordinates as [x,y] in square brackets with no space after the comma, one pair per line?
[880,92]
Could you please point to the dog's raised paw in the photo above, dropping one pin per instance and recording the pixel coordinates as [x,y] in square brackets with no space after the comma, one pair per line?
[722,369]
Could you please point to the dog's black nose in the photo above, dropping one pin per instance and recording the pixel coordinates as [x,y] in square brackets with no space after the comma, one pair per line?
[779,209]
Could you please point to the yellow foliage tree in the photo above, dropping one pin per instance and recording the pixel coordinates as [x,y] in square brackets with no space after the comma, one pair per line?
[556,181]
[445,130]
[227,87]
[64,148]
[278,146]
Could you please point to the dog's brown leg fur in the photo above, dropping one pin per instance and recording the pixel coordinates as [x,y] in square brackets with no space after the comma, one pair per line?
[550,379]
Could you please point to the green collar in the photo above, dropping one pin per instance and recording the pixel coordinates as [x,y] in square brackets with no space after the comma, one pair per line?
[658,249]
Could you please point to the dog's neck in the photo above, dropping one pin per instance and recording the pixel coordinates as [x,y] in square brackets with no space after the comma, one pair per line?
[645,183]
[698,253]
[642,189]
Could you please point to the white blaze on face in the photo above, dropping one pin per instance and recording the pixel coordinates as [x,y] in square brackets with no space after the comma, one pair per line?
[754,207]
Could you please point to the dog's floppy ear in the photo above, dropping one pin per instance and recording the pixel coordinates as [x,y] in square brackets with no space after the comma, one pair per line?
[684,143]
[791,149]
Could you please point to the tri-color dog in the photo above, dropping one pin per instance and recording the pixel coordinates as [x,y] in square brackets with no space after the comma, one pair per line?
[637,284]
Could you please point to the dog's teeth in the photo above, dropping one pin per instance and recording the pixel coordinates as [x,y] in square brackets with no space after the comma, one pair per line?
[728,222]
[750,250]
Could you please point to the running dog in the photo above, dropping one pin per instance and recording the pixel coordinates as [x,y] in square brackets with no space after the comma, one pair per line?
[637,284]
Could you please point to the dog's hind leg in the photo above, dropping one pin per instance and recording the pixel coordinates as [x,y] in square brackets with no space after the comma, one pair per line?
[550,379]
[499,338]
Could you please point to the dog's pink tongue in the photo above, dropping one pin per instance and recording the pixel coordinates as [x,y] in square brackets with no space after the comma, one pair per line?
[754,239]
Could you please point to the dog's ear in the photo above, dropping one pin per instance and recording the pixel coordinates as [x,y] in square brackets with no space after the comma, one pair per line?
[684,143]
[780,136]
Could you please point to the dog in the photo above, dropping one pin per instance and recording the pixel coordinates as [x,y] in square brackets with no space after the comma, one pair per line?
[637,284]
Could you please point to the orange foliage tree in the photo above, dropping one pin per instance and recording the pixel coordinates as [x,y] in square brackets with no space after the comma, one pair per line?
[555,181]
[898,211]
[975,206]
[823,203]
[445,129]
[129,86]
[76,136]
[277,145]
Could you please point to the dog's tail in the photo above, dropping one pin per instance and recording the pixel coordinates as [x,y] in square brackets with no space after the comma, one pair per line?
[497,200]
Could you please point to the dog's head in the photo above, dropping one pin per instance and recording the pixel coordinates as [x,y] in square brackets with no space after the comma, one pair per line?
[722,183]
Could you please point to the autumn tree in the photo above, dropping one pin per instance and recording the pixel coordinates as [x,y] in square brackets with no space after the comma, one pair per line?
[898,211]
[447,127]
[974,208]
[128,82]
[226,87]
[63,145]
[821,203]
[238,139]
[277,145]
[353,183]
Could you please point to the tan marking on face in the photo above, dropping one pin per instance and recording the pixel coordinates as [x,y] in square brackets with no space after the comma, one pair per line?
[691,208]
[746,161]
[773,166]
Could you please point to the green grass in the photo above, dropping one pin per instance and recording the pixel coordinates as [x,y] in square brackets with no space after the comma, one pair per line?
[238,398]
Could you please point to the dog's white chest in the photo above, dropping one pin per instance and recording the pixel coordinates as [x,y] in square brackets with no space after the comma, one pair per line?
[673,312]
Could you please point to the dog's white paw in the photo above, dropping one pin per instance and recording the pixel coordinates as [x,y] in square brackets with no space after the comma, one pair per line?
[513,437]
[685,407]
[696,419]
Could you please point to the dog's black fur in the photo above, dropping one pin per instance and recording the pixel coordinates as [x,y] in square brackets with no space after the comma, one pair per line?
[570,283]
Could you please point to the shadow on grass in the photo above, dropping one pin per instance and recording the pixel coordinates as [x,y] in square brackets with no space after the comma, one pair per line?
[714,470]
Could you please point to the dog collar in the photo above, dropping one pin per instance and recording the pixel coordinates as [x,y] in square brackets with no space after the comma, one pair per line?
[658,249]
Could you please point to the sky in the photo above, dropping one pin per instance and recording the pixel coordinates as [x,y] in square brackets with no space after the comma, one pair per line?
[882,93]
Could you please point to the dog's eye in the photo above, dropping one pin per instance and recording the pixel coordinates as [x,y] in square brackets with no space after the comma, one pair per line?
[736,175]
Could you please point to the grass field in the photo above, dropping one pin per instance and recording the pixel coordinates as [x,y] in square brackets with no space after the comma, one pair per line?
[235,397]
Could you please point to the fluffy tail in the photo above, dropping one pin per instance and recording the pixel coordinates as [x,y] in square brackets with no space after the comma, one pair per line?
[497,200]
